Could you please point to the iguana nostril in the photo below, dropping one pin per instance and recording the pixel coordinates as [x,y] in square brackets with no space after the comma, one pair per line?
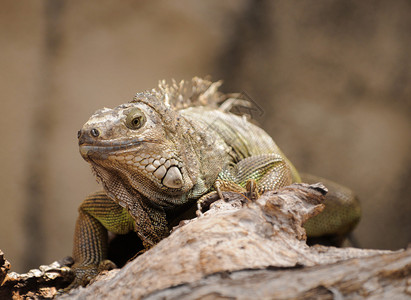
[94,132]
[78,134]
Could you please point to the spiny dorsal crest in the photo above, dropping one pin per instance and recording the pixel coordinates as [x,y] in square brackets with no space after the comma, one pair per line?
[198,92]
[167,99]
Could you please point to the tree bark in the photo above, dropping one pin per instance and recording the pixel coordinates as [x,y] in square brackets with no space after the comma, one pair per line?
[244,249]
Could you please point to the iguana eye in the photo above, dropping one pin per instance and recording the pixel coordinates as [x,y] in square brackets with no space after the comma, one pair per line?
[135,119]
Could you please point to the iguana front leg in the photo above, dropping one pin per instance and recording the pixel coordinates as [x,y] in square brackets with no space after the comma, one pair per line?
[99,214]
[251,177]
[270,172]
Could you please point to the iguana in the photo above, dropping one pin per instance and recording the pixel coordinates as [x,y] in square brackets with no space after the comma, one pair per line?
[169,147]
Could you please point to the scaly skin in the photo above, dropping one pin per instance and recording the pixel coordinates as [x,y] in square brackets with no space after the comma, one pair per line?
[165,149]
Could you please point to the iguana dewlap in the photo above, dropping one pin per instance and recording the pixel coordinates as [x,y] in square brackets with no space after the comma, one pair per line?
[166,149]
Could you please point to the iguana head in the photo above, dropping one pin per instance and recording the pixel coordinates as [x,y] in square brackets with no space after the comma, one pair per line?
[144,146]
[131,142]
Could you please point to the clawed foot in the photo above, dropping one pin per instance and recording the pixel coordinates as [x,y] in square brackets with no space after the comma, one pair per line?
[250,193]
[205,201]
[83,274]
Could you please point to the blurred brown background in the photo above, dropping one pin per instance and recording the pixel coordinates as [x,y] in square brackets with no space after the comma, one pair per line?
[332,79]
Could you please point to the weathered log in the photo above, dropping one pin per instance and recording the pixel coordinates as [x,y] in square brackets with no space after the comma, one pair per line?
[245,249]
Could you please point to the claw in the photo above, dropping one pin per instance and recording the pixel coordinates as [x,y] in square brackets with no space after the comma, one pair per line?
[205,201]
[252,190]
[217,186]
[199,211]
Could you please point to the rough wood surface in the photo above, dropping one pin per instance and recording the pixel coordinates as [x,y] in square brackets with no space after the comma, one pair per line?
[229,237]
[41,283]
[386,276]
[244,249]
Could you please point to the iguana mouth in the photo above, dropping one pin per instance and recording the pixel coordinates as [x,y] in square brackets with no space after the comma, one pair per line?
[165,170]
[107,147]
